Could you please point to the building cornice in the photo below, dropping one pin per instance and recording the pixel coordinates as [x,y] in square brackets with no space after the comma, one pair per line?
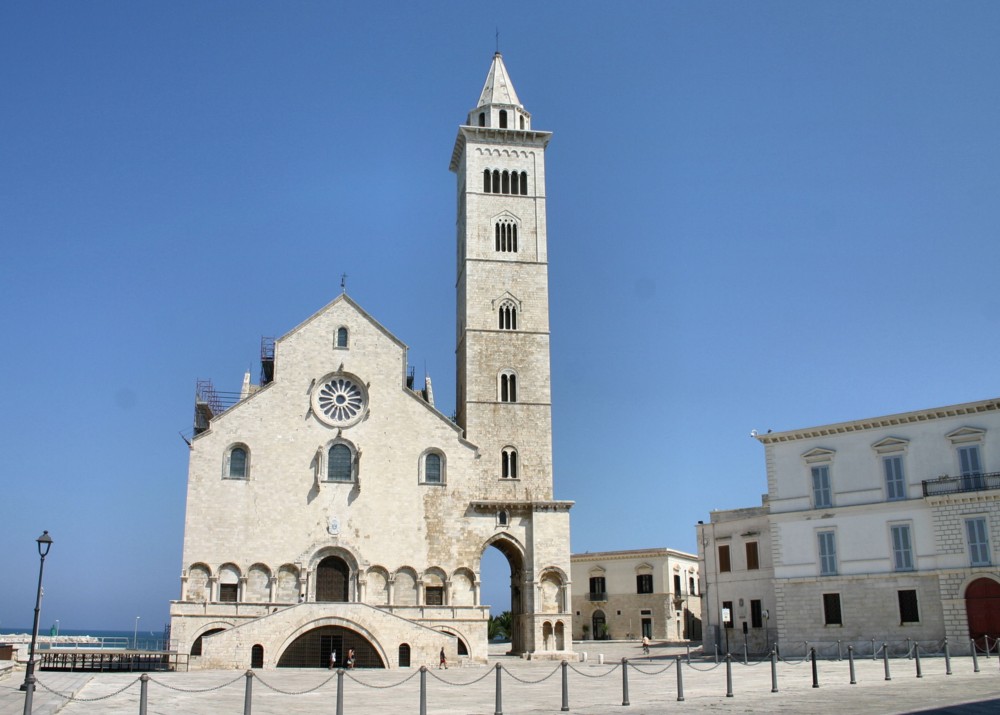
[631,554]
[491,135]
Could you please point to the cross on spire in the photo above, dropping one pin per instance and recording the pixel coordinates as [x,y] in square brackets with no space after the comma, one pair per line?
[343,282]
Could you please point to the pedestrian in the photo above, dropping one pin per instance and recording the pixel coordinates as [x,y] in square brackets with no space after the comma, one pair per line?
[443,661]
[333,659]
[645,645]
[350,658]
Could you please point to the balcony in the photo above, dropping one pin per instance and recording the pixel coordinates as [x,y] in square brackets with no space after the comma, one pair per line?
[597,596]
[960,485]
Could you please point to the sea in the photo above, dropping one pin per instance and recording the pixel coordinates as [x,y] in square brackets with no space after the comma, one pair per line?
[142,640]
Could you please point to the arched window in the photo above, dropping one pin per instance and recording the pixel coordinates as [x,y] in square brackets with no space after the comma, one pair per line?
[237,462]
[257,656]
[508,387]
[487,180]
[524,183]
[404,655]
[514,176]
[433,472]
[505,182]
[505,236]
[482,119]
[340,463]
[503,518]
[496,181]
[341,337]
[503,118]
[522,122]
[508,316]
[508,463]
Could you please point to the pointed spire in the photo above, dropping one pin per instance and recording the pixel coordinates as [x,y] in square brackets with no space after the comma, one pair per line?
[498,88]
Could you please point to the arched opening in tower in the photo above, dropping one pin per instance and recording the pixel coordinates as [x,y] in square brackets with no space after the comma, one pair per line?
[501,573]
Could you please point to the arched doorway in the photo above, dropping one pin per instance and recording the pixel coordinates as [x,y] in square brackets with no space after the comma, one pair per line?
[519,605]
[257,656]
[196,647]
[312,649]
[597,622]
[333,580]
[982,606]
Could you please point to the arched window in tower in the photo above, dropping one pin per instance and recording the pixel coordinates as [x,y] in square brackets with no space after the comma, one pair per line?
[482,119]
[506,182]
[341,337]
[496,181]
[524,183]
[503,118]
[433,468]
[505,236]
[514,176]
[508,463]
[238,462]
[508,386]
[340,463]
[522,122]
[508,316]
[487,181]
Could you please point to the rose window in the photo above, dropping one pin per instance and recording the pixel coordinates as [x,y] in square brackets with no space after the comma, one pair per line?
[339,400]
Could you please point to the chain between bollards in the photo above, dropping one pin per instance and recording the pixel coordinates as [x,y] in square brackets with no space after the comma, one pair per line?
[947,658]
[625,681]
[340,691]
[850,662]
[499,704]
[143,687]
[248,695]
[812,657]
[729,675]
[423,690]
[774,671]
[885,660]
[680,681]
[565,687]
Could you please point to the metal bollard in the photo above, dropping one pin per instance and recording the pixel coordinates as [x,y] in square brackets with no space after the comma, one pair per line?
[909,650]
[840,655]
[874,652]
[248,695]
[774,672]
[689,653]
[812,655]
[885,660]
[716,652]
[499,705]
[850,662]
[916,656]
[29,690]
[625,681]
[986,640]
[423,690]
[680,681]
[729,675]
[975,659]
[143,687]
[947,658]
[340,692]
[565,687]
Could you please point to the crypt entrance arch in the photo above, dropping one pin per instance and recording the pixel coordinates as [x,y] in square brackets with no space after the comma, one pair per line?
[312,649]
[520,593]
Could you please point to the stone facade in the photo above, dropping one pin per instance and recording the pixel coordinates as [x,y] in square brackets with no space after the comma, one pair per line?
[334,506]
[624,595]
[885,528]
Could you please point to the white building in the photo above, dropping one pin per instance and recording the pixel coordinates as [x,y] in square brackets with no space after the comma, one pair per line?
[625,595]
[333,507]
[884,528]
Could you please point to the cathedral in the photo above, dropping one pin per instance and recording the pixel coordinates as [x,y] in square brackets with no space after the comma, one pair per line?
[333,509]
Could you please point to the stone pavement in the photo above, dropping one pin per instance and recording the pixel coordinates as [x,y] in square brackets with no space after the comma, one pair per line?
[534,687]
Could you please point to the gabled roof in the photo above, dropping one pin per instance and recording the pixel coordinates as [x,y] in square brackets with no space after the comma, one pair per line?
[343,297]
[498,88]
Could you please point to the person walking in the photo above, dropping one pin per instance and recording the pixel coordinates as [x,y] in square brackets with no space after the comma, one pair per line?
[645,646]
[333,659]
[442,661]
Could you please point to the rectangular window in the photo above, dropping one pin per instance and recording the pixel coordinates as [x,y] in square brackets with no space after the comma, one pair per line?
[979,543]
[827,553]
[724,564]
[644,583]
[902,550]
[753,558]
[727,614]
[597,587]
[831,610]
[972,473]
[822,497]
[895,486]
[677,585]
[692,589]
[434,595]
[756,614]
[908,607]
[228,592]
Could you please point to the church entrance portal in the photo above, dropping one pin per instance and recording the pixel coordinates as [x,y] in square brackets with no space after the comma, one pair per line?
[982,604]
[312,649]
[333,580]
[518,600]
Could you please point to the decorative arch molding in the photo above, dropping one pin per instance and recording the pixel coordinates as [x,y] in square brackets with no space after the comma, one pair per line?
[506,297]
[330,621]
[972,578]
[342,552]
[508,545]
[213,626]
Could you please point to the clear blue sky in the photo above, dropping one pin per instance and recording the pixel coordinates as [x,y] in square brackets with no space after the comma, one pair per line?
[761,215]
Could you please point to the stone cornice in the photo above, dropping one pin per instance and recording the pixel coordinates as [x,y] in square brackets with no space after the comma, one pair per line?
[632,554]
[521,505]
[489,135]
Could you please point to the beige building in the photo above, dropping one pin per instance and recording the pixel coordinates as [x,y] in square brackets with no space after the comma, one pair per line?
[884,528]
[625,595]
[333,507]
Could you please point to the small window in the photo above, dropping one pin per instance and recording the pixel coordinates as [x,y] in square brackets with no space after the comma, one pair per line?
[514,176]
[496,181]
[598,586]
[508,316]
[524,183]
[508,463]
[727,614]
[902,549]
[644,583]
[340,463]
[831,610]
[677,585]
[434,595]
[908,611]
[753,558]
[503,518]
[691,588]
[756,614]
[508,387]
[505,183]
[895,485]
[238,463]
[822,496]
[503,118]
[972,473]
[433,468]
[482,119]
[978,538]
[827,553]
[487,180]
[522,122]
[341,337]
[725,565]
[228,592]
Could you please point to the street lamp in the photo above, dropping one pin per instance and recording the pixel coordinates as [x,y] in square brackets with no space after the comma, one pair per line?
[135,635]
[28,686]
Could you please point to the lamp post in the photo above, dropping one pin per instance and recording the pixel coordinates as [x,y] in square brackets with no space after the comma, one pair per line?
[28,686]
[135,635]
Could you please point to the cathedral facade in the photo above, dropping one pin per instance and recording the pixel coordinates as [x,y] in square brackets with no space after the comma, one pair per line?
[333,508]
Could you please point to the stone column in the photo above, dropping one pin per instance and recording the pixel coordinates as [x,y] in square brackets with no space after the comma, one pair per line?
[392,589]
[241,590]
[184,586]
[477,584]
[212,591]
[272,585]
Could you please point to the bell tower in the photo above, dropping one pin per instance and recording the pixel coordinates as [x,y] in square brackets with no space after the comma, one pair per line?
[503,397]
